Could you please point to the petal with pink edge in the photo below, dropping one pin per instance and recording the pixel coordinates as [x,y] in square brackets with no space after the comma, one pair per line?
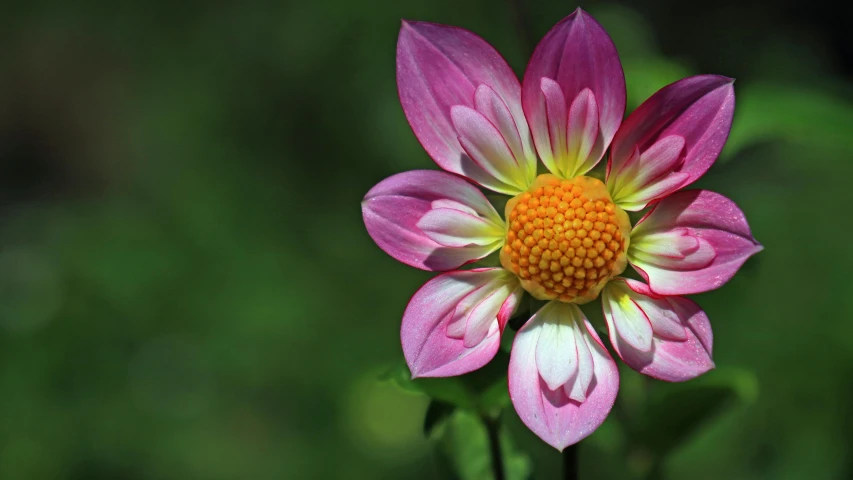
[682,341]
[691,242]
[486,146]
[670,140]
[452,325]
[441,67]
[556,345]
[579,58]
[431,220]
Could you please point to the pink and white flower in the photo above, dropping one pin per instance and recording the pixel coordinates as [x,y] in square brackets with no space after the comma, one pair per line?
[564,237]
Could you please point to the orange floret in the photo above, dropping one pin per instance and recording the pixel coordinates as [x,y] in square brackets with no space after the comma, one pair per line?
[565,239]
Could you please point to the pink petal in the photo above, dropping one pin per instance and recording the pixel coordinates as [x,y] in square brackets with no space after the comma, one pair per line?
[577,54]
[682,343]
[556,353]
[583,130]
[721,243]
[641,198]
[458,325]
[492,106]
[660,158]
[697,109]
[555,112]
[631,325]
[431,347]
[649,175]
[439,67]
[556,417]
[481,318]
[485,145]
[456,228]
[578,389]
[675,243]
[677,249]
[394,207]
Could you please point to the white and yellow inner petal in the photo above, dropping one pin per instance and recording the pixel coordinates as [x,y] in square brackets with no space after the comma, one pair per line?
[648,175]
[637,318]
[562,353]
[495,143]
[476,315]
[573,144]
[453,224]
[670,249]
[625,316]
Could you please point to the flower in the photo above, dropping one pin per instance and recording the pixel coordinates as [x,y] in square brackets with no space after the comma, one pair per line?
[565,237]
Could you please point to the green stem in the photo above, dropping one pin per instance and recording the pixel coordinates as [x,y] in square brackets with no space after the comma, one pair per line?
[570,462]
[493,428]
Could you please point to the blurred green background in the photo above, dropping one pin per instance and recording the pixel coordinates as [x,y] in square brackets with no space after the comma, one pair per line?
[187,290]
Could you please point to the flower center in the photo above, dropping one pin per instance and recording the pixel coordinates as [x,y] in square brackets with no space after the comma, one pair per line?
[565,238]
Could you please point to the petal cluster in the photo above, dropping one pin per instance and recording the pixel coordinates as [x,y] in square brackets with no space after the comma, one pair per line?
[574,95]
[691,242]
[431,220]
[485,130]
[670,140]
[463,103]
[452,324]
[562,381]
[668,338]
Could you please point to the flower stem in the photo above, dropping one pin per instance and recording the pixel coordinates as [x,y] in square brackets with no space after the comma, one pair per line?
[493,428]
[570,462]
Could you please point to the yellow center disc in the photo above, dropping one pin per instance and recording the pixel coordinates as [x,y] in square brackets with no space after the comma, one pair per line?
[565,238]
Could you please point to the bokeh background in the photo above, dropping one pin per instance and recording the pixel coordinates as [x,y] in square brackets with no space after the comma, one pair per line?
[187,290]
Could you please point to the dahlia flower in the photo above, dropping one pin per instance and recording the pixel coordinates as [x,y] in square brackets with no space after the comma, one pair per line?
[564,238]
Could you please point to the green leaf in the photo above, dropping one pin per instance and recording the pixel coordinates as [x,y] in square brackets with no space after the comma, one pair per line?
[489,384]
[465,448]
[676,411]
[495,396]
[484,390]
[770,112]
[436,413]
[449,389]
